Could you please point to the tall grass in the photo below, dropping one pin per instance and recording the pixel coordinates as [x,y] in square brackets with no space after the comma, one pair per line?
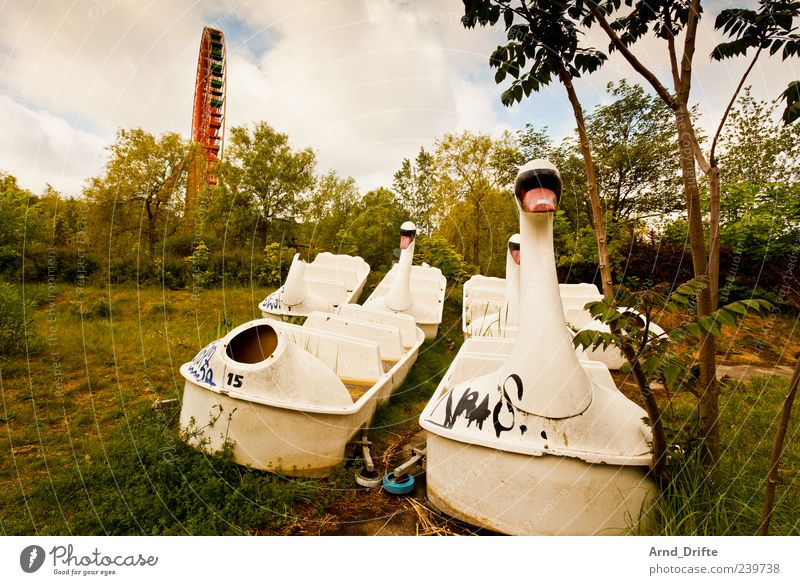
[146,481]
[82,453]
[727,500]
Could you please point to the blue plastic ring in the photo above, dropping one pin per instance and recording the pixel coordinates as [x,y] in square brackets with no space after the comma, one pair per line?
[404,486]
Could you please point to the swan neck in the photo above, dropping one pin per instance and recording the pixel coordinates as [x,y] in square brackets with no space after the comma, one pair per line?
[554,383]
[294,289]
[399,297]
[512,284]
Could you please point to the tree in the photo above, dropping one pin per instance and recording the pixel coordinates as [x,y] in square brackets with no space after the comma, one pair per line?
[414,186]
[543,43]
[667,20]
[635,153]
[472,171]
[142,190]
[755,149]
[654,355]
[332,206]
[17,225]
[263,179]
[374,227]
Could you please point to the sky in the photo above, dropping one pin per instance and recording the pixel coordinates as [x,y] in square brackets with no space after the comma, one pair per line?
[364,83]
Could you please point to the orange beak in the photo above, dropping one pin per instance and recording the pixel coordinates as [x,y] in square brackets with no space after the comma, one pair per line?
[405,242]
[515,256]
[539,200]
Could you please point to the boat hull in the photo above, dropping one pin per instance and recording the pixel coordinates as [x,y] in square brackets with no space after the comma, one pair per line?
[282,438]
[519,494]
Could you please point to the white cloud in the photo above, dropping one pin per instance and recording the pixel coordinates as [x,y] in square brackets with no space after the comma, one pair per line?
[41,148]
[365,83]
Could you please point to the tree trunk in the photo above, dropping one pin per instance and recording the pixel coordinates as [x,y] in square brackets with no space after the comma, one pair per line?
[777,448]
[708,390]
[653,413]
[476,250]
[713,235]
[594,193]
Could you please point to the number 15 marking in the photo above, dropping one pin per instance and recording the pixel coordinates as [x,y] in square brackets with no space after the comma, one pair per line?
[235,380]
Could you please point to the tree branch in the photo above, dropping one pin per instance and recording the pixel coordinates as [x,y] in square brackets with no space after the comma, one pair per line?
[673,55]
[662,91]
[735,95]
[689,44]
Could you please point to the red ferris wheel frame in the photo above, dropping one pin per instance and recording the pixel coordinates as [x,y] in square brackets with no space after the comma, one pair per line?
[208,116]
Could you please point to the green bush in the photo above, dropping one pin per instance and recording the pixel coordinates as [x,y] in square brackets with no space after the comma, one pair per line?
[16,330]
[277,260]
[146,481]
[437,251]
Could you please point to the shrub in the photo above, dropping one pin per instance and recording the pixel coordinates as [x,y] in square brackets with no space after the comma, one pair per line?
[16,329]
[437,251]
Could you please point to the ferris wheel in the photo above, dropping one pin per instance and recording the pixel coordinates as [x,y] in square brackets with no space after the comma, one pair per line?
[208,117]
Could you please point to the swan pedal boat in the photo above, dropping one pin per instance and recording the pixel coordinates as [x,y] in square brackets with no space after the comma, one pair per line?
[418,291]
[290,398]
[523,436]
[329,281]
[484,314]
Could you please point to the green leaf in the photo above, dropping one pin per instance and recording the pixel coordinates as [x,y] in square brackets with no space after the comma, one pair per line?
[508,17]
[726,317]
[671,372]
[792,97]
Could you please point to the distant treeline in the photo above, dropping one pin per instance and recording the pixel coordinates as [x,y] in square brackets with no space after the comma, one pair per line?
[148,219]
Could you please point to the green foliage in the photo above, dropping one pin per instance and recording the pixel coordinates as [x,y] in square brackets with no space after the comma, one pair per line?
[263,179]
[657,355]
[543,42]
[439,252]
[373,232]
[635,154]
[771,28]
[727,500]
[17,332]
[142,192]
[277,261]
[17,225]
[792,96]
[147,482]
[474,174]
[198,262]
[755,148]
[414,185]
[333,207]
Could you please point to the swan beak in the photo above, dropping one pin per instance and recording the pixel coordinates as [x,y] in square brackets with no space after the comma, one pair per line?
[515,256]
[405,242]
[539,201]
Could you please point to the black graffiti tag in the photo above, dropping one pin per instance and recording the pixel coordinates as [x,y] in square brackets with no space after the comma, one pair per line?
[469,407]
[499,426]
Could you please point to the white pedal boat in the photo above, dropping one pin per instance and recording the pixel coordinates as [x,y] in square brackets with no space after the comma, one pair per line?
[523,437]
[486,312]
[490,305]
[290,398]
[418,291]
[329,281]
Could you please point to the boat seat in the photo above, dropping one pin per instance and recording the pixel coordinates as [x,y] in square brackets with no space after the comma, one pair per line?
[353,360]
[387,337]
[333,290]
[404,323]
[345,275]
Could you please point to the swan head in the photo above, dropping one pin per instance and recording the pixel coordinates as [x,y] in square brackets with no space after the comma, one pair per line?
[513,248]
[538,187]
[408,231]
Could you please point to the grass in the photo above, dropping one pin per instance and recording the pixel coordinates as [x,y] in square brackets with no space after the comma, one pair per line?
[81,452]
[728,500]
